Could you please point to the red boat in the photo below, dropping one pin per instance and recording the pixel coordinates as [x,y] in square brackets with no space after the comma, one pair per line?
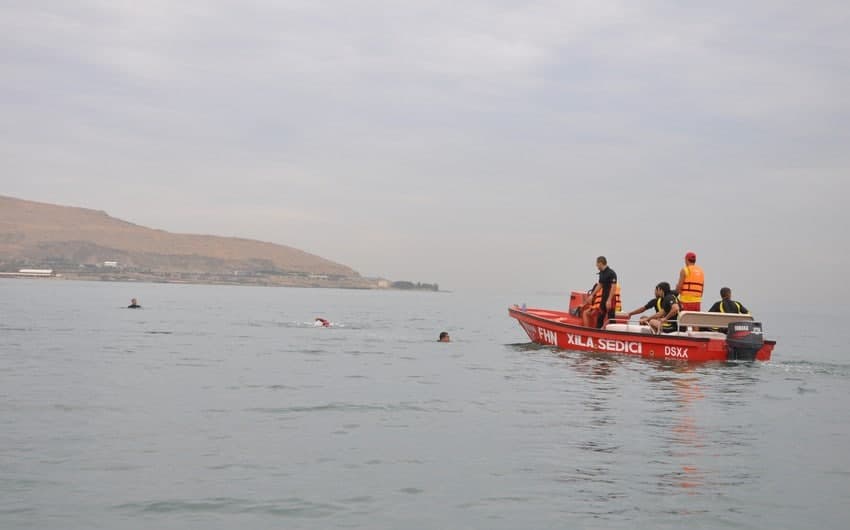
[695,341]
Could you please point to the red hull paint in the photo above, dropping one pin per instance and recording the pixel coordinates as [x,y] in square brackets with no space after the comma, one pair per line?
[563,330]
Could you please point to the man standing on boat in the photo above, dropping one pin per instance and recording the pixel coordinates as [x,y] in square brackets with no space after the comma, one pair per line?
[691,283]
[607,284]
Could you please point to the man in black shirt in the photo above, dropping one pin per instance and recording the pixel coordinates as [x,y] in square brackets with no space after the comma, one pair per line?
[666,310]
[727,305]
[607,283]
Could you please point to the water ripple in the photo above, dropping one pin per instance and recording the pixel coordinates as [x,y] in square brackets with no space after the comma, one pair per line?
[290,507]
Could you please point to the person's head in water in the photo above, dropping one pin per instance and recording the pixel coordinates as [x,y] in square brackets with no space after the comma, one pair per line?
[444,337]
[133,303]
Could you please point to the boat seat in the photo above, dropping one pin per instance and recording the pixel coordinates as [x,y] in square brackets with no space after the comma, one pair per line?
[706,334]
[698,334]
[631,328]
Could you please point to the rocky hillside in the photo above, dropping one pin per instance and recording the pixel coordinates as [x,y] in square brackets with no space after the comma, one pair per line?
[78,240]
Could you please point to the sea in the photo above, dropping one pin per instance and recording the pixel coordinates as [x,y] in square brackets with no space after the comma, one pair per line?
[222,407]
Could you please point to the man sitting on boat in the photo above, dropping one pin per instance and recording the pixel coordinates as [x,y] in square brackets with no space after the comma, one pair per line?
[727,305]
[666,310]
[602,296]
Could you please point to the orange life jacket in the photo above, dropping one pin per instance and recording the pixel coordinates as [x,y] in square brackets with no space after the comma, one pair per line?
[693,285]
[597,298]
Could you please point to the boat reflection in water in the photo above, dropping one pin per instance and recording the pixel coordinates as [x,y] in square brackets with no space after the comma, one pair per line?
[670,426]
[686,445]
[642,436]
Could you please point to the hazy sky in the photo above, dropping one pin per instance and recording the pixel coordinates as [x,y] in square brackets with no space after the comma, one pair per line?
[474,144]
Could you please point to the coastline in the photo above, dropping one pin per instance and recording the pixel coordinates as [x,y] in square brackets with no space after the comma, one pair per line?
[355,283]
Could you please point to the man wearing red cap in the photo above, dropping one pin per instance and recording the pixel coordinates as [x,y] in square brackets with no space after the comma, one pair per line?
[691,284]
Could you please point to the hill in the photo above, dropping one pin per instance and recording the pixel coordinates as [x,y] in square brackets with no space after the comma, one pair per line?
[84,243]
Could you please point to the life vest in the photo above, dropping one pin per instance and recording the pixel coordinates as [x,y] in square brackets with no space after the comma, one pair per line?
[693,284]
[734,302]
[658,300]
[737,306]
[597,298]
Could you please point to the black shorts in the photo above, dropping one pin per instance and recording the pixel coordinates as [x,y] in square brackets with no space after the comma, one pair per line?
[600,319]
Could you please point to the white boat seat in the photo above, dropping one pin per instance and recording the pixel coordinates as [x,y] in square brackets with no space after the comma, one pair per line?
[698,334]
[706,334]
[631,328]
[697,319]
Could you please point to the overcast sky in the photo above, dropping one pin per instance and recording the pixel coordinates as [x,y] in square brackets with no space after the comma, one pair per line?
[475,144]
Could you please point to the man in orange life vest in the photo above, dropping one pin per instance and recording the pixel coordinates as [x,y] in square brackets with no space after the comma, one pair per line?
[602,298]
[691,284]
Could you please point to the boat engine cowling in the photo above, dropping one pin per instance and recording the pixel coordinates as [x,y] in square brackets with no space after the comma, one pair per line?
[743,341]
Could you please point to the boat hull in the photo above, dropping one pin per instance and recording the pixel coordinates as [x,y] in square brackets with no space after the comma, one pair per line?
[563,330]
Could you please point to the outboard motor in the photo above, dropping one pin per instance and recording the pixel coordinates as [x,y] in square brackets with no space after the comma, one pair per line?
[743,341]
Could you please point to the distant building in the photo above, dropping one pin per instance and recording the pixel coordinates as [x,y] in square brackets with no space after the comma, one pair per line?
[38,273]
[110,264]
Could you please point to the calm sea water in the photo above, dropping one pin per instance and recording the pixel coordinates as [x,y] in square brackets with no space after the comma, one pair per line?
[223,407]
